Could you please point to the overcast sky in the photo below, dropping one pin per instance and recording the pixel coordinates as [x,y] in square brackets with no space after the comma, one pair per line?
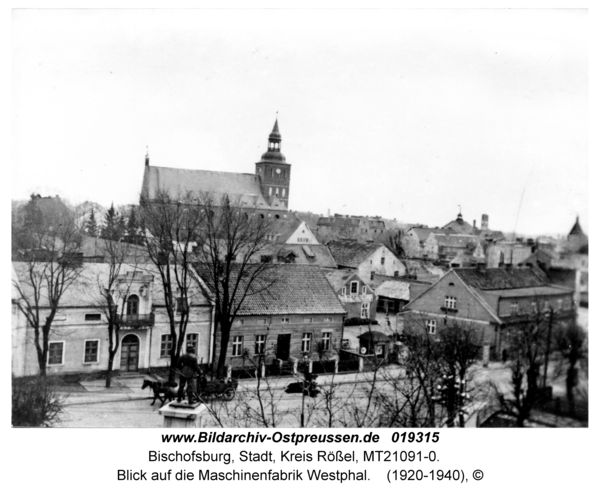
[400,113]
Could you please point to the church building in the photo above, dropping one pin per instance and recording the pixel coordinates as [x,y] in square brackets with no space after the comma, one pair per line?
[267,190]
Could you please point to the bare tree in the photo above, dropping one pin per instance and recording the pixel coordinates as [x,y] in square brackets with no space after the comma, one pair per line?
[113,289]
[173,227]
[49,268]
[571,342]
[228,261]
[460,345]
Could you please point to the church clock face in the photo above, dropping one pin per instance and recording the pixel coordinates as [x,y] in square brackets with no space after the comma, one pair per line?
[278,171]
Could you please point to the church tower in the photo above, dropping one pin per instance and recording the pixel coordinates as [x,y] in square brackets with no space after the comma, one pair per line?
[274,173]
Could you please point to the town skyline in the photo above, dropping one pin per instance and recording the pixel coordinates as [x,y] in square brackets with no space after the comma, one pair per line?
[406,123]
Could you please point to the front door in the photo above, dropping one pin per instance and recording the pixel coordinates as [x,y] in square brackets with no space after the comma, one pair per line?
[283,346]
[130,349]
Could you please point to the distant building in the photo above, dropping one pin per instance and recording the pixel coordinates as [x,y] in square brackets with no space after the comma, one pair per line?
[491,301]
[266,191]
[356,295]
[341,227]
[367,259]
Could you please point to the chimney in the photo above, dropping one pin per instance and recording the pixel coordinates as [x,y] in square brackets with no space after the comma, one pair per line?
[474,224]
[484,221]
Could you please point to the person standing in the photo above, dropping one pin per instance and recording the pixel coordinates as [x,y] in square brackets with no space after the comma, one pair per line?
[189,370]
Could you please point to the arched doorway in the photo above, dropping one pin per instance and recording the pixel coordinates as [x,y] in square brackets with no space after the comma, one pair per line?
[130,352]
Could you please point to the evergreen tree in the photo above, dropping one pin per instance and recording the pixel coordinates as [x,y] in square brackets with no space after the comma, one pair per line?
[132,226]
[91,226]
[114,225]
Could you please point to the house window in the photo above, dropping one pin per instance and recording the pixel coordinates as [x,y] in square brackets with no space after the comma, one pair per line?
[514,308]
[166,344]
[534,307]
[364,310]
[133,305]
[259,344]
[364,290]
[326,341]
[182,304]
[89,317]
[396,273]
[354,287]
[344,291]
[372,275]
[238,342]
[239,321]
[382,260]
[90,354]
[560,305]
[328,319]
[306,340]
[191,340]
[262,321]
[308,320]
[450,302]
[55,353]
[431,326]
[285,320]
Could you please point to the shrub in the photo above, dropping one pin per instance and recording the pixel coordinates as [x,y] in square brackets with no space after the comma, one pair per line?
[34,402]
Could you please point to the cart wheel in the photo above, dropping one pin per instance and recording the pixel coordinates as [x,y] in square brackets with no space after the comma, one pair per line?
[229,394]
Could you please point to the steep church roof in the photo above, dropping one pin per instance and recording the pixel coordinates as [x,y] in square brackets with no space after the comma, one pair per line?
[240,187]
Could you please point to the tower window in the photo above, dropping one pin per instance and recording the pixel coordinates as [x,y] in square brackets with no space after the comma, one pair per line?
[283,192]
[270,191]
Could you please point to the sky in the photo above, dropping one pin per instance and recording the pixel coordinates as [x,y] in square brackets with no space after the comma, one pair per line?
[405,114]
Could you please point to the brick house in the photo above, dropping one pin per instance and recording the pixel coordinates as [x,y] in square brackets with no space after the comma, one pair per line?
[79,335]
[491,301]
[300,314]
[367,259]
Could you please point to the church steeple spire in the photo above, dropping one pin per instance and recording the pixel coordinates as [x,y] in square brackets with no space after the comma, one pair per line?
[274,154]
[275,137]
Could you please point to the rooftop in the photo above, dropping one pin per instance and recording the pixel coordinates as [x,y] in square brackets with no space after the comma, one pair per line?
[514,278]
[349,253]
[296,289]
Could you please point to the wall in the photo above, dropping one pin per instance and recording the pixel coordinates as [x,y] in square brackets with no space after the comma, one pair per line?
[272,326]
[373,263]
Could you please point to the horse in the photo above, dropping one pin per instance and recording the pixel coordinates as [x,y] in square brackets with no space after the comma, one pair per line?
[162,390]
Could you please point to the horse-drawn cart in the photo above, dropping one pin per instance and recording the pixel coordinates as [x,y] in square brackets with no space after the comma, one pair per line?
[222,389]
